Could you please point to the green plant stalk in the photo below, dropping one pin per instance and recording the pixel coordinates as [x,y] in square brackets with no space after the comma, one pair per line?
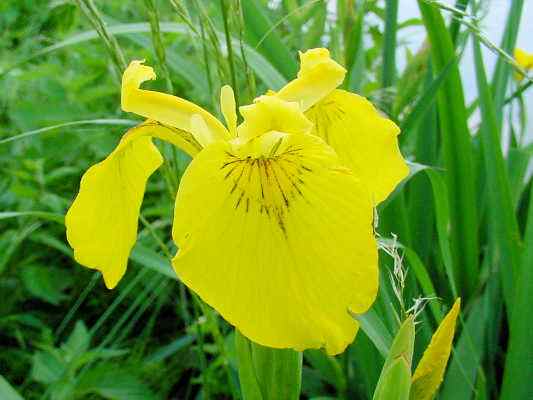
[266,373]
[457,153]
[91,12]
[79,301]
[153,18]
[505,236]
[231,58]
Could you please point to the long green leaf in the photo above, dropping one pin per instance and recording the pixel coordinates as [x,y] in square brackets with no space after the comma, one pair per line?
[442,215]
[38,214]
[518,382]
[263,68]
[457,152]
[110,121]
[459,382]
[505,236]
[503,71]
[261,35]
[388,75]
[376,331]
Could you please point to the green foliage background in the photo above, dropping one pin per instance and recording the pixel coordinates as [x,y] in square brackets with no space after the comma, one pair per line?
[459,223]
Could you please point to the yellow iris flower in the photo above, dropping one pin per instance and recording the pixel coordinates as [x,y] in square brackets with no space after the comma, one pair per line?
[273,218]
[525,60]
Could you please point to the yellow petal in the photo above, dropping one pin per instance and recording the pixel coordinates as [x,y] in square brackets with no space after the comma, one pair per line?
[162,107]
[318,76]
[365,141]
[524,59]
[430,370]
[277,236]
[102,221]
[229,108]
[269,113]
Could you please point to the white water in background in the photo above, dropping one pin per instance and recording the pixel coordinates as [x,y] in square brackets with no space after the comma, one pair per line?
[492,26]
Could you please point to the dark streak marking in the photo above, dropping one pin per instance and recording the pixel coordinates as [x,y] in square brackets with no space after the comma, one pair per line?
[229,163]
[239,201]
[280,188]
[231,171]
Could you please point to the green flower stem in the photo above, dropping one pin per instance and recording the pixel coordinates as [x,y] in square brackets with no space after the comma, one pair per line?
[266,373]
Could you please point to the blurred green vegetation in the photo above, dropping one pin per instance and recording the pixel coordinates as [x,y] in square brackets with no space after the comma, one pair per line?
[458,222]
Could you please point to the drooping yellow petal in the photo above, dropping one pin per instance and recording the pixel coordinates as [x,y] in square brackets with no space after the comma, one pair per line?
[430,370]
[365,141]
[162,107]
[229,108]
[525,60]
[277,236]
[318,76]
[102,221]
[269,113]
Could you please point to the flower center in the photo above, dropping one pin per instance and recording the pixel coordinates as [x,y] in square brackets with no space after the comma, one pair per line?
[268,185]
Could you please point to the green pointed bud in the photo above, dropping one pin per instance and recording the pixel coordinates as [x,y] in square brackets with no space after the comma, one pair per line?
[395,379]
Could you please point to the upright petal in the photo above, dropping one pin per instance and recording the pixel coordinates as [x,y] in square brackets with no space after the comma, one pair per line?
[430,370]
[102,221]
[365,141]
[318,76]
[269,113]
[228,108]
[277,236]
[162,107]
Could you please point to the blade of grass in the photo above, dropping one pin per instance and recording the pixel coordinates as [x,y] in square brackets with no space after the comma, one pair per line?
[157,42]
[503,70]
[460,380]
[421,210]
[38,214]
[388,73]
[442,216]
[457,153]
[426,100]
[267,41]
[224,5]
[456,21]
[422,276]
[125,122]
[91,12]
[376,331]
[355,50]
[517,382]
[262,67]
[505,236]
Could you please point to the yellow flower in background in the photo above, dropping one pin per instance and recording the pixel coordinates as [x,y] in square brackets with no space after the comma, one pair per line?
[525,60]
[273,218]
[430,370]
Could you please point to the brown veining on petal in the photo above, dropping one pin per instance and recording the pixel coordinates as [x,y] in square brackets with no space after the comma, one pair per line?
[269,184]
